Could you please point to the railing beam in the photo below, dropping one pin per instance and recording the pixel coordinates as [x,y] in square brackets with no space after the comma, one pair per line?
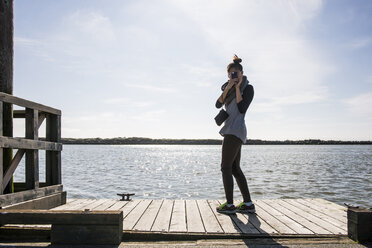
[21,114]
[19,143]
[34,115]
[53,158]
[18,157]
[32,156]
[27,104]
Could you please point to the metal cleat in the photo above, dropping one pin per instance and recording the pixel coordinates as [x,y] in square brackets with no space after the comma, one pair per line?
[126,196]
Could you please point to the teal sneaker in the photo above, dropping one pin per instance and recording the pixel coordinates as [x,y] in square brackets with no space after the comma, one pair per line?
[225,209]
[244,208]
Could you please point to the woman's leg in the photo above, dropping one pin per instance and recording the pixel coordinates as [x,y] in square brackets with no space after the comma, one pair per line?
[240,178]
[230,148]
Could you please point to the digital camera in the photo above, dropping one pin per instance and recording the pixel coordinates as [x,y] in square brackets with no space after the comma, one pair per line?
[234,74]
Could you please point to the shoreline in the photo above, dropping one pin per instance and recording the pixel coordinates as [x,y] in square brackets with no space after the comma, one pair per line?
[148,141]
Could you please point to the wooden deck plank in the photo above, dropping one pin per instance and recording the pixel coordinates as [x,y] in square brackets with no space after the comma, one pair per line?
[178,219]
[328,209]
[272,221]
[132,218]
[95,203]
[61,207]
[328,223]
[260,224]
[298,228]
[273,217]
[326,214]
[118,205]
[331,204]
[105,205]
[245,226]
[69,204]
[227,224]
[296,214]
[243,223]
[162,221]
[76,205]
[193,218]
[210,221]
[82,206]
[147,220]
[129,206]
[71,200]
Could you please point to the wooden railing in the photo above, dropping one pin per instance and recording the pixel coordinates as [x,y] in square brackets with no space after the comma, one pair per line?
[34,115]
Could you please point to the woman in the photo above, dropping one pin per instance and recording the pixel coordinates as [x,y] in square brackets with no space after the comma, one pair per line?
[236,96]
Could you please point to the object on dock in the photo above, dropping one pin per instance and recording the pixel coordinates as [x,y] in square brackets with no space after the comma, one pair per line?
[359,224]
[350,206]
[72,226]
[126,196]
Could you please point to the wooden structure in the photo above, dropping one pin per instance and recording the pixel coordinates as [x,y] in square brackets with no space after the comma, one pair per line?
[359,224]
[49,192]
[6,78]
[72,227]
[198,219]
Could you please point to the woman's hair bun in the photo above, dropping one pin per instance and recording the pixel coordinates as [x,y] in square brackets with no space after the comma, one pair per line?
[236,59]
[235,64]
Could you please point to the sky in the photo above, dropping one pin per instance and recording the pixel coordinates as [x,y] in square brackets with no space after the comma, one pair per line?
[154,68]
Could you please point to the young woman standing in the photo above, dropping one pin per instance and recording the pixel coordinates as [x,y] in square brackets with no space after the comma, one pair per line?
[236,96]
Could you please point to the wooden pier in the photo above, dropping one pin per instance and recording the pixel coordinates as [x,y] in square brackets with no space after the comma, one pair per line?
[198,219]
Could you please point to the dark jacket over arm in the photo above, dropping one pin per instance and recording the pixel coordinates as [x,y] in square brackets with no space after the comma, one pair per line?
[218,104]
[248,94]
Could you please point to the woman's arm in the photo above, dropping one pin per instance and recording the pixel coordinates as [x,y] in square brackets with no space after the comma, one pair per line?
[246,100]
[238,96]
[221,99]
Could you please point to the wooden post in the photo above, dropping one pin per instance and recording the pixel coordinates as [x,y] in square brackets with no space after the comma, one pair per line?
[53,158]
[359,224]
[1,150]
[32,156]
[6,78]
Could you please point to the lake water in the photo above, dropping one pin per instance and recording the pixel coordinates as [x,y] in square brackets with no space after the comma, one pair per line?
[334,172]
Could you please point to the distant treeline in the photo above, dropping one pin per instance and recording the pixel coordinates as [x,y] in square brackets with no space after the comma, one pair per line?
[148,141]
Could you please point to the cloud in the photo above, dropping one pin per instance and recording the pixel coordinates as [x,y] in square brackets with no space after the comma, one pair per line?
[101,124]
[92,24]
[149,116]
[78,44]
[361,43]
[369,79]
[116,100]
[361,104]
[277,57]
[180,47]
[203,75]
[36,47]
[149,87]
[143,104]
[304,10]
[26,42]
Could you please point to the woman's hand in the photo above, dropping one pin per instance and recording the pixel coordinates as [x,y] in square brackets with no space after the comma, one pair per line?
[230,84]
[240,81]
[239,97]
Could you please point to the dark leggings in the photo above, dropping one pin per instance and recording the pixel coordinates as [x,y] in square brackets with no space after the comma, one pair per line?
[230,166]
